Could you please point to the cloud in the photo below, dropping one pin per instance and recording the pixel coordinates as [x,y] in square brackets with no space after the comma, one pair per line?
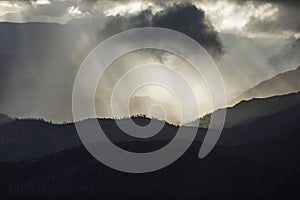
[287,55]
[251,18]
[285,20]
[42,11]
[38,65]
[40,60]
[185,18]
[282,2]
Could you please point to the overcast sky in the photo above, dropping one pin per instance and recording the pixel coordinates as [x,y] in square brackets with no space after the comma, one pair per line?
[250,42]
[250,18]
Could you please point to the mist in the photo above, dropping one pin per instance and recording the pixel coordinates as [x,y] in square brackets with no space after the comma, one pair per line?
[39,62]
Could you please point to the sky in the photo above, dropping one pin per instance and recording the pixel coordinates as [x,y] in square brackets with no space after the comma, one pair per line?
[248,18]
[250,41]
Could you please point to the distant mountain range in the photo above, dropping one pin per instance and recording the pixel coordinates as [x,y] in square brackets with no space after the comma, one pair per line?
[249,110]
[248,122]
[284,83]
[258,160]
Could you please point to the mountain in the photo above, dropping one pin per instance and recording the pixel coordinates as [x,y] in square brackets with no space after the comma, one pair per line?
[249,110]
[258,159]
[26,139]
[283,83]
[264,169]
[144,105]
[32,139]
[264,128]
[5,119]
[247,122]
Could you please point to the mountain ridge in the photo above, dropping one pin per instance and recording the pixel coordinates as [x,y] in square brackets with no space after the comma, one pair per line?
[285,101]
[32,139]
[247,110]
[280,84]
[266,169]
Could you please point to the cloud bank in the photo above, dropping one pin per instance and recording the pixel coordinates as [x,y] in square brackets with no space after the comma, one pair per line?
[253,41]
[185,18]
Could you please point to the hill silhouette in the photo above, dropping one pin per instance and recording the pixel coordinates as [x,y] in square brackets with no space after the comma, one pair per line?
[261,169]
[5,119]
[283,83]
[28,139]
[249,110]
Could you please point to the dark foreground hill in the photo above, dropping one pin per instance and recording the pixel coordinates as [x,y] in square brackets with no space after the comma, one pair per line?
[258,160]
[267,170]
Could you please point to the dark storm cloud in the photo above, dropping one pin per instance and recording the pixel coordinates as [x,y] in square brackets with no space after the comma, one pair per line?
[185,18]
[192,22]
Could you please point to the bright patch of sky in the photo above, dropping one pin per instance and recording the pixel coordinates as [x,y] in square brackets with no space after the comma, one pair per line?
[229,17]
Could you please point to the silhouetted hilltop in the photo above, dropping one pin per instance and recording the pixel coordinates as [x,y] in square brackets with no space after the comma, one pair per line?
[5,119]
[283,83]
[249,110]
[32,139]
[267,169]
